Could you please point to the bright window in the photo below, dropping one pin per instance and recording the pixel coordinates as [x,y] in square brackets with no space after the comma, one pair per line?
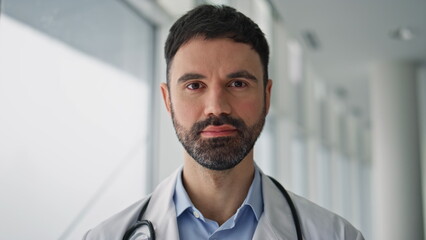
[74,100]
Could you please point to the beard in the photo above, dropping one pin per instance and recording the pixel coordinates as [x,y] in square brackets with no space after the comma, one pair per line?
[219,153]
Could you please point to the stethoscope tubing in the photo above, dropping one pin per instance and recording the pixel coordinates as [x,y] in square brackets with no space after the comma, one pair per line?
[292,207]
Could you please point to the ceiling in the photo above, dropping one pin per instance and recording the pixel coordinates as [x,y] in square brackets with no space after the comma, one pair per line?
[353,34]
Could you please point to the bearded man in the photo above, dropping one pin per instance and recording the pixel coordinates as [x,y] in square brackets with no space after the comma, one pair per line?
[218,94]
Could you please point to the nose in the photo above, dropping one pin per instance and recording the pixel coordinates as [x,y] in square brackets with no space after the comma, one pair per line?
[217,102]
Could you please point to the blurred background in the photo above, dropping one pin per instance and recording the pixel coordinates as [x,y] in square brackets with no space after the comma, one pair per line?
[84,133]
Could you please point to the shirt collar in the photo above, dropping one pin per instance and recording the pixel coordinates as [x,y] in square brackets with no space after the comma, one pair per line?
[181,198]
[254,198]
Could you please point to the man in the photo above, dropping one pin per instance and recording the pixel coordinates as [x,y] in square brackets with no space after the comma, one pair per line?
[218,95]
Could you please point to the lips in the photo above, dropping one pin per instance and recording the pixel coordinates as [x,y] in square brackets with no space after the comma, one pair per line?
[219,131]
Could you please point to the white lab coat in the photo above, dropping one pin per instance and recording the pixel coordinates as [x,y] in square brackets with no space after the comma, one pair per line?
[276,221]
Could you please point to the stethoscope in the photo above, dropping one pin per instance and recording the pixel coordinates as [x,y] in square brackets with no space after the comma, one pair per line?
[139,230]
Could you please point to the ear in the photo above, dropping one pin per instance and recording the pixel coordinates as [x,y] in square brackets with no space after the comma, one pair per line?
[268,90]
[166,96]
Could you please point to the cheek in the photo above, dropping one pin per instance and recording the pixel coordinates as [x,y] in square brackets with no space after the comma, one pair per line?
[250,110]
[185,113]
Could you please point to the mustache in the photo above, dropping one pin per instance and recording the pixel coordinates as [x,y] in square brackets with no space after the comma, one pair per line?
[217,121]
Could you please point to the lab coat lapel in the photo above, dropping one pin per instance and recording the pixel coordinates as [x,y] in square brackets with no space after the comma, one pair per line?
[276,221]
[161,210]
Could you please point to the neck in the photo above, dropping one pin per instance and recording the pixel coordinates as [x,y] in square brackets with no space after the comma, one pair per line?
[218,194]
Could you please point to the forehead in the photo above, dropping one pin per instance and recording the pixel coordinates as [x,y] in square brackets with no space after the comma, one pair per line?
[215,56]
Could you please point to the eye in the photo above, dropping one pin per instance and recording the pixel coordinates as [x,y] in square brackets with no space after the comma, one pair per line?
[194,86]
[238,84]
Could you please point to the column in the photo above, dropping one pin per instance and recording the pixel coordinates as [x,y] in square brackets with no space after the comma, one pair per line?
[422,99]
[337,185]
[396,154]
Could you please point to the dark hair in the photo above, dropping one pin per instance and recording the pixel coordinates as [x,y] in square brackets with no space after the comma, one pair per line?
[212,21]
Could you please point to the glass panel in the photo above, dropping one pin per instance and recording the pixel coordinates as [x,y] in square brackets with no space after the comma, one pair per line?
[299,165]
[74,99]
[262,15]
[324,173]
[107,30]
[264,153]
[217,2]
[346,190]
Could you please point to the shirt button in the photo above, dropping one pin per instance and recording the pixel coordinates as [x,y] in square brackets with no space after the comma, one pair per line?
[196,214]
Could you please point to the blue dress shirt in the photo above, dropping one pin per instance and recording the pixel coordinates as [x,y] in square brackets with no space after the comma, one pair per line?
[193,225]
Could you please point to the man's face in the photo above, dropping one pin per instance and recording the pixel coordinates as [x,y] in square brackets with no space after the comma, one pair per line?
[217,100]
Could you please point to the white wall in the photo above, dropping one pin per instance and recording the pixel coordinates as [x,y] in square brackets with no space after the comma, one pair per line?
[72,137]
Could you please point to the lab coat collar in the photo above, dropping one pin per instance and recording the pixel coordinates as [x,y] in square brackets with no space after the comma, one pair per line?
[276,222]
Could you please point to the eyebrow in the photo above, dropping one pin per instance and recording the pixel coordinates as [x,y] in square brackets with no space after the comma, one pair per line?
[243,74]
[239,74]
[190,76]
